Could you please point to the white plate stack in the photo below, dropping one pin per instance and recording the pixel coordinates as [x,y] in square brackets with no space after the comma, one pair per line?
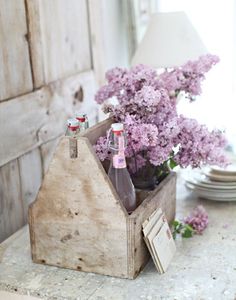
[213,183]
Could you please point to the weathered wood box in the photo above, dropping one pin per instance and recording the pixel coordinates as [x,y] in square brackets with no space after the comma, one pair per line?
[78,221]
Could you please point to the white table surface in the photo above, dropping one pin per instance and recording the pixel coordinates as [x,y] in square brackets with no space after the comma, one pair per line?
[204,267]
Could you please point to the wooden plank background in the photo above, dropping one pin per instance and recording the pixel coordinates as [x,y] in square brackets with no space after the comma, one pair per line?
[52,55]
[46,74]
[15,70]
[40,116]
[59,34]
[30,170]
[12,207]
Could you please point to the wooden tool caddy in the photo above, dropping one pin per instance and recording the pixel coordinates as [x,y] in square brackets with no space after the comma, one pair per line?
[78,221]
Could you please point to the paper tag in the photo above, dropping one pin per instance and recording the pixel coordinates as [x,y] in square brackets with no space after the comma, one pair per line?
[164,246]
[159,240]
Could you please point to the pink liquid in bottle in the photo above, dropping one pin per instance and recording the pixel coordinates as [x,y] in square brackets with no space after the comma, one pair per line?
[118,172]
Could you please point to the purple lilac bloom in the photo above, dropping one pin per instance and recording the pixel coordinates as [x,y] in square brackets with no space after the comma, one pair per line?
[198,219]
[101,148]
[147,108]
[189,77]
[198,145]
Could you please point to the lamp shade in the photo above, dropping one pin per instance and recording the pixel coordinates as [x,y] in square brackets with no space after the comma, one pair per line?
[170,40]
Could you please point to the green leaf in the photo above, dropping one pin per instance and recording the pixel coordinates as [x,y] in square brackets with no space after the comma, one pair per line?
[172,163]
[175,223]
[187,234]
[188,231]
[179,228]
[189,227]
[174,235]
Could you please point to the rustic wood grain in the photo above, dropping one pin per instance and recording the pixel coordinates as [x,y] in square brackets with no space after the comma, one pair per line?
[97,39]
[59,39]
[82,219]
[79,213]
[39,117]
[30,167]
[32,8]
[98,130]
[163,196]
[47,150]
[15,71]
[11,204]
[44,44]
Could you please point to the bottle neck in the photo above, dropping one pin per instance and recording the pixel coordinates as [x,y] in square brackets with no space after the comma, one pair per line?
[117,142]
[83,122]
[118,150]
[72,130]
[82,125]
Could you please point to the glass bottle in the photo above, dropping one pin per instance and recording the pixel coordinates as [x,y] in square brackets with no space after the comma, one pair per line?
[118,172]
[83,121]
[86,121]
[72,132]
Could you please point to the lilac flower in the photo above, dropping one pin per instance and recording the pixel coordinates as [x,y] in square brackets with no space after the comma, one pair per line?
[198,146]
[198,219]
[147,108]
[143,136]
[188,78]
[104,93]
[171,81]
[158,155]
[115,75]
[101,148]
[147,97]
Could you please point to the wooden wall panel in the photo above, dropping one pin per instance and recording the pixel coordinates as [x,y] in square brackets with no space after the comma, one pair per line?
[59,37]
[97,39]
[29,121]
[15,71]
[30,168]
[11,204]
[46,74]
[110,35]
[47,151]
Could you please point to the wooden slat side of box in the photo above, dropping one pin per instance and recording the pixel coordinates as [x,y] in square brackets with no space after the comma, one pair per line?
[77,221]
[163,196]
[130,247]
[100,129]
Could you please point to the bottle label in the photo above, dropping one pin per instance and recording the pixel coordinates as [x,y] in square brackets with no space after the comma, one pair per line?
[119,161]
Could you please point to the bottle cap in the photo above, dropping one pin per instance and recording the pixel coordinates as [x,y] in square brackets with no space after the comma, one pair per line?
[81,117]
[117,127]
[73,122]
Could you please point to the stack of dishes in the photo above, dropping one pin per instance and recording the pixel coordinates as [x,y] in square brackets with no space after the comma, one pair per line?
[213,183]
